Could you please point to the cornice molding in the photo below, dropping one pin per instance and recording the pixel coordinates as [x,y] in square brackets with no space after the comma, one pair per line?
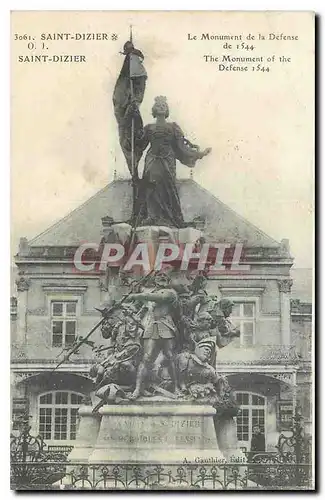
[64,287]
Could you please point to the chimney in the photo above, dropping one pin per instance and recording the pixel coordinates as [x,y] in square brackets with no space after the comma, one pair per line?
[285,247]
[23,249]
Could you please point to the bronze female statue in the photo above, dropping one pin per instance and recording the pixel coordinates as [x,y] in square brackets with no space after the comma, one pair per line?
[161,203]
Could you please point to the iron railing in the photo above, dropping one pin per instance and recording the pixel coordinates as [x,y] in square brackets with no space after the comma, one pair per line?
[145,476]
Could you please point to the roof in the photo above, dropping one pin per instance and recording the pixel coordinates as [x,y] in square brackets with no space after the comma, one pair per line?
[115,200]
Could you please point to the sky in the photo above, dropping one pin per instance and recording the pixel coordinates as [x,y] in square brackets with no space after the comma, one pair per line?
[260,125]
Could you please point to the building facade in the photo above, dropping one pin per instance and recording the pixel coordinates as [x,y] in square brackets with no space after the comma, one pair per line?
[269,366]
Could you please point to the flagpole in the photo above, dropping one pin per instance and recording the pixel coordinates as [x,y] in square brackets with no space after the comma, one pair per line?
[134,186]
[132,134]
[132,121]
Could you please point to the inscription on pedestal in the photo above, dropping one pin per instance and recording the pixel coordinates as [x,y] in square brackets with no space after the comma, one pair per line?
[158,423]
[144,431]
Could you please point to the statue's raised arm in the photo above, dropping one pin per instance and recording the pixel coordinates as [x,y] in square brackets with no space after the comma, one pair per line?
[186,152]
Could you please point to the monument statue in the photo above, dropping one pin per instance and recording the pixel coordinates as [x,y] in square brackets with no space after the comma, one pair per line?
[161,203]
[155,197]
[162,341]
[158,356]
[201,380]
[160,332]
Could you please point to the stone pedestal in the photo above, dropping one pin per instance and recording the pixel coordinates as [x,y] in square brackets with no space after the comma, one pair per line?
[152,237]
[147,432]
[154,433]
[226,432]
[87,435]
[153,444]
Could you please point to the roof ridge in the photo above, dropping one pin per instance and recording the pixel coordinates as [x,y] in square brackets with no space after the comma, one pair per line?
[234,212]
[71,212]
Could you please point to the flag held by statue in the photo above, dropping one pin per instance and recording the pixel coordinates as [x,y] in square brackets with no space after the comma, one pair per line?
[127,98]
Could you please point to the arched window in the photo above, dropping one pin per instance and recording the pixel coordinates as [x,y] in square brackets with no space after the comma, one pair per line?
[252,413]
[57,415]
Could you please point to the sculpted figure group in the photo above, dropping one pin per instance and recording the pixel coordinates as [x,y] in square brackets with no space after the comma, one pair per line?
[164,340]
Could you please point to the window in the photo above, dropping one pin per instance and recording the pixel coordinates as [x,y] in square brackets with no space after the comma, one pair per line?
[19,412]
[285,415]
[64,323]
[251,414]
[58,412]
[243,316]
